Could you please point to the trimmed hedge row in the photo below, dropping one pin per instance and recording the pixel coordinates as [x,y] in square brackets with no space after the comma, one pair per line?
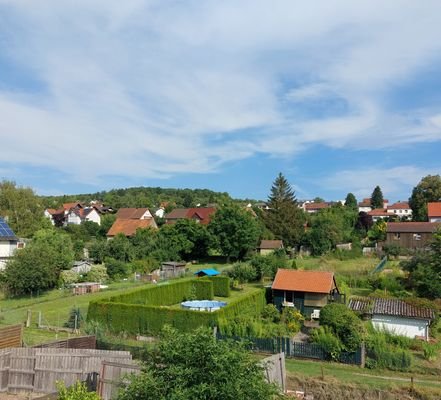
[149,319]
[168,294]
[221,285]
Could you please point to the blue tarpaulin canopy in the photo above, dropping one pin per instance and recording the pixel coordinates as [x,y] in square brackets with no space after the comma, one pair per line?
[207,272]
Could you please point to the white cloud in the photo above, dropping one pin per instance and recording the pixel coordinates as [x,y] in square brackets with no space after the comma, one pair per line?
[152,89]
[392,181]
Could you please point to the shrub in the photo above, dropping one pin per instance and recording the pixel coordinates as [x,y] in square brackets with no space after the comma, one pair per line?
[68,277]
[344,323]
[328,342]
[117,269]
[98,273]
[78,391]
[271,313]
[221,285]
[430,351]
[243,272]
[292,318]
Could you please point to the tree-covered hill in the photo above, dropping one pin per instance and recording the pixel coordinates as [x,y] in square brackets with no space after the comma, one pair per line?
[147,197]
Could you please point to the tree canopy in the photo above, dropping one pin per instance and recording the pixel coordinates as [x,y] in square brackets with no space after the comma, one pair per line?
[427,190]
[235,231]
[22,208]
[196,366]
[351,201]
[284,218]
[377,200]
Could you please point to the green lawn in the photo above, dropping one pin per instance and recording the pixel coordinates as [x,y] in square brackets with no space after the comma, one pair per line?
[55,305]
[360,376]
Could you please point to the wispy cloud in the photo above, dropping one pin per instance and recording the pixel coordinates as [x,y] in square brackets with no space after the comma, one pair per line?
[362,181]
[153,89]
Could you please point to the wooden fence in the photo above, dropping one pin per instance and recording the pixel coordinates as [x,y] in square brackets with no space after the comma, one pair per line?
[81,342]
[38,369]
[11,336]
[111,375]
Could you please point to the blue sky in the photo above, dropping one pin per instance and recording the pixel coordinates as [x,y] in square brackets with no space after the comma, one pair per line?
[339,96]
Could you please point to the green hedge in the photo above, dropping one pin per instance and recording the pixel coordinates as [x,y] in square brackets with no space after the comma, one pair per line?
[167,294]
[149,319]
[221,285]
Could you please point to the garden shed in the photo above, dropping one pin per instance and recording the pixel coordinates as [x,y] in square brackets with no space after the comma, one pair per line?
[395,316]
[308,291]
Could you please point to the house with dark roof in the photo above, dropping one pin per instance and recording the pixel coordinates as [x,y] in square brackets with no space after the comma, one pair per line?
[201,215]
[134,213]
[434,211]
[307,291]
[8,243]
[268,246]
[395,316]
[411,235]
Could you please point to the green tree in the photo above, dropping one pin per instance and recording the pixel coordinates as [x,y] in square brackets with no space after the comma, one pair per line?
[427,190]
[197,234]
[196,366]
[37,267]
[377,200]
[235,230]
[22,208]
[284,218]
[377,233]
[120,248]
[351,201]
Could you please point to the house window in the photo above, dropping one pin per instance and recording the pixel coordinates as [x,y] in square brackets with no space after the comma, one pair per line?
[416,236]
[397,236]
[288,297]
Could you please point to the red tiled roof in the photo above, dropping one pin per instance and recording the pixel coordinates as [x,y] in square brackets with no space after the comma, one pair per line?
[379,212]
[316,206]
[202,213]
[434,209]
[128,227]
[271,244]
[68,206]
[53,211]
[399,206]
[303,281]
[393,307]
[412,227]
[131,213]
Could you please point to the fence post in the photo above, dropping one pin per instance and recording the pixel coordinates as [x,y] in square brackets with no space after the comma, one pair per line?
[28,319]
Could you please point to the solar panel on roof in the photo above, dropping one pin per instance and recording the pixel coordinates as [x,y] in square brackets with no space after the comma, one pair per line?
[5,230]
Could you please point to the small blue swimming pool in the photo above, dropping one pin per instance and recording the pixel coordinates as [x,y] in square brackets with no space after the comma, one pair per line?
[203,305]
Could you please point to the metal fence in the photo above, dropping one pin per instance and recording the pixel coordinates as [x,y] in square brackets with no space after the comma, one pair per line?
[297,349]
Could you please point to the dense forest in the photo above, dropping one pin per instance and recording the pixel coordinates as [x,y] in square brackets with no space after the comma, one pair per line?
[150,197]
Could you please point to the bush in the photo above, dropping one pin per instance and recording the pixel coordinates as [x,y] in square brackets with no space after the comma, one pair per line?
[117,269]
[243,272]
[68,277]
[271,313]
[292,318]
[98,273]
[344,323]
[331,345]
[78,391]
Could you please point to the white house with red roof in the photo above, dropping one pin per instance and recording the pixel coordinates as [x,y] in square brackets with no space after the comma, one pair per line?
[401,209]
[434,211]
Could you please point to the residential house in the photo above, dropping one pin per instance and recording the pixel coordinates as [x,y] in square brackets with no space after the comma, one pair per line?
[401,209]
[134,213]
[206,272]
[308,291]
[366,206]
[378,214]
[201,215]
[268,246]
[8,243]
[434,211]
[128,227]
[395,316]
[314,207]
[76,216]
[128,220]
[411,235]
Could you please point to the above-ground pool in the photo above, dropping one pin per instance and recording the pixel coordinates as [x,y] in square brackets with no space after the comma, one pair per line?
[203,305]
